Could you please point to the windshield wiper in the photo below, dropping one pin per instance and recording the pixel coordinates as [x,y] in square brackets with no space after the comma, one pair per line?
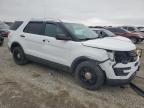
[105,36]
[88,38]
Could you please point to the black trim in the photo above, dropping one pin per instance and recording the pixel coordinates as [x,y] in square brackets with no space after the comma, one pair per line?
[83,58]
[104,61]
[120,71]
[48,63]
[61,66]
[27,27]
[118,82]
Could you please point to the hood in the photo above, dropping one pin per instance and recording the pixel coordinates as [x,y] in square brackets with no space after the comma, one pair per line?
[111,43]
[123,38]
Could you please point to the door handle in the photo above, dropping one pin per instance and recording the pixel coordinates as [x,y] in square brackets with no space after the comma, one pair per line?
[22,36]
[44,40]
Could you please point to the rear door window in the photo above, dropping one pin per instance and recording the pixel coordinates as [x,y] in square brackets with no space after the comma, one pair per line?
[34,28]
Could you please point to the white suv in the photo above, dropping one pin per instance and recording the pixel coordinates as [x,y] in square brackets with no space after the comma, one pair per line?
[75,48]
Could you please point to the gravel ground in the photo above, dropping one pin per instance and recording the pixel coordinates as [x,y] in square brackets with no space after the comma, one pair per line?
[38,86]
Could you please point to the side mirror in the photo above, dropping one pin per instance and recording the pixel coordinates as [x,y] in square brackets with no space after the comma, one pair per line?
[62,37]
[102,34]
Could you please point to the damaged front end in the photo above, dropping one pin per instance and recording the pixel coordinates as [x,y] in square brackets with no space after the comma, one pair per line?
[122,67]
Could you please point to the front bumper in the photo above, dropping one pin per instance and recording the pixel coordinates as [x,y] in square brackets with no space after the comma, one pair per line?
[118,82]
[116,77]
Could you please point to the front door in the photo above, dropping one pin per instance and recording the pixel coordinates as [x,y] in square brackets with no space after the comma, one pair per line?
[56,50]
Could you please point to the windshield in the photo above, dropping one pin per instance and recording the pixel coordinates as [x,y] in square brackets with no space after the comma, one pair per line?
[80,31]
[109,33]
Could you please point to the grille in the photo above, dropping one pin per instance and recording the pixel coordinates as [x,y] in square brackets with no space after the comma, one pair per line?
[125,56]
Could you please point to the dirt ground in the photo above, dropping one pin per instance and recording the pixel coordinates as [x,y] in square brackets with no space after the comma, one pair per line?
[38,86]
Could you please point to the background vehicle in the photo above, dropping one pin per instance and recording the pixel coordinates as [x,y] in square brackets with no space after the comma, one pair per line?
[103,32]
[135,30]
[130,28]
[4,33]
[74,47]
[140,27]
[142,30]
[4,29]
[15,25]
[106,33]
[122,32]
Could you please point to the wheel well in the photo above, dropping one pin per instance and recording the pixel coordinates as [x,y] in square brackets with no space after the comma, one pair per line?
[15,44]
[77,61]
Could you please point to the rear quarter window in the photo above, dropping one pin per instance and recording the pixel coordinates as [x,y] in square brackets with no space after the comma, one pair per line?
[16,25]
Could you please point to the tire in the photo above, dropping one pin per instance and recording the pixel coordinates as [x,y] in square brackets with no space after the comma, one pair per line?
[134,40]
[89,75]
[19,56]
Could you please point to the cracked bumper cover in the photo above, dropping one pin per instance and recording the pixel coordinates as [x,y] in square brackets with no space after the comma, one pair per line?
[114,77]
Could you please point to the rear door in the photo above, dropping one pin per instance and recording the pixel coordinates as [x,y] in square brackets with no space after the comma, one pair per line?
[33,38]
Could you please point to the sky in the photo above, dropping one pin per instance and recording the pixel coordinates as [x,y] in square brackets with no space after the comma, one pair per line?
[89,12]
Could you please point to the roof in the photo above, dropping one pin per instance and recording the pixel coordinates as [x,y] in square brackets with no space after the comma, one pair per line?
[45,19]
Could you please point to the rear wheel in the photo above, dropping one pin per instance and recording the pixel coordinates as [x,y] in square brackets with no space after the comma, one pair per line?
[19,56]
[89,75]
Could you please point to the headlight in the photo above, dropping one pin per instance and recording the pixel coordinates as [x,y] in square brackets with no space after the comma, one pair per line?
[111,55]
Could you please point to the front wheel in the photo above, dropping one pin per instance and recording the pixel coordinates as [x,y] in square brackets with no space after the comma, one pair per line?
[89,75]
[19,56]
